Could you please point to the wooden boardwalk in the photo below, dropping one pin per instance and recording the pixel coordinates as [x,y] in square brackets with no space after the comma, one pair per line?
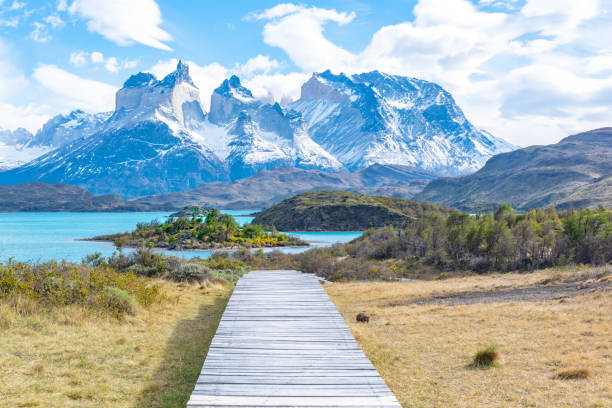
[282,343]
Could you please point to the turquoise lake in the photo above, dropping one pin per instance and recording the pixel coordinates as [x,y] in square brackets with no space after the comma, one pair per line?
[46,236]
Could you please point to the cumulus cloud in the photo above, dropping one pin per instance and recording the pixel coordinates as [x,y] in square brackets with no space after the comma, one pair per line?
[298,30]
[124,22]
[260,63]
[112,64]
[54,21]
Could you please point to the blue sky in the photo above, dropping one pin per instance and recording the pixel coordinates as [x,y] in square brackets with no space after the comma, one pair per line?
[531,71]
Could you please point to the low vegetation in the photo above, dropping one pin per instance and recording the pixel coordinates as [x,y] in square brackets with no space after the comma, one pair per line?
[343,211]
[65,356]
[98,288]
[125,331]
[216,231]
[437,244]
[555,351]
[485,358]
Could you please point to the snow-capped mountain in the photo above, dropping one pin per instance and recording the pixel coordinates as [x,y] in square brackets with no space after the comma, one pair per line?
[62,129]
[15,149]
[159,139]
[145,147]
[378,118]
[261,136]
[19,146]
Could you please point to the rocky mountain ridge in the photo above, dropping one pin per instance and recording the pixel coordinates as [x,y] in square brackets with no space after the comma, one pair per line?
[160,140]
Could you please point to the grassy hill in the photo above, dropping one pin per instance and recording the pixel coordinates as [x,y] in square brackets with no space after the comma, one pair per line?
[342,211]
[576,172]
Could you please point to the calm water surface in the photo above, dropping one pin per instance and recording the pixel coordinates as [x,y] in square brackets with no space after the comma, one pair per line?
[45,236]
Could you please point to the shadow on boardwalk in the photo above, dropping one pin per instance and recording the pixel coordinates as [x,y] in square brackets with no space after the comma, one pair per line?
[172,383]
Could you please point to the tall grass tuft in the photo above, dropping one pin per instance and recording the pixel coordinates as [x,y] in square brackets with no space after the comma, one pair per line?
[486,358]
[573,374]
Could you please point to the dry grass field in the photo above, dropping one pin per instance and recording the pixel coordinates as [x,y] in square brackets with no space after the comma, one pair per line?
[68,358]
[552,330]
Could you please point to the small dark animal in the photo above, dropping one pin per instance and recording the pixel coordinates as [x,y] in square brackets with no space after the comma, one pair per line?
[362,317]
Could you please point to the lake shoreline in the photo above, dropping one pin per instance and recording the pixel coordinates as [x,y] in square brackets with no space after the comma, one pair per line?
[198,249]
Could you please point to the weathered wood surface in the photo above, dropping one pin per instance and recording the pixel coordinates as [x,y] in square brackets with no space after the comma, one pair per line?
[282,343]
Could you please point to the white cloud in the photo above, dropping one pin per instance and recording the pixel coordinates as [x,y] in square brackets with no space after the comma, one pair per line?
[11,22]
[54,20]
[29,101]
[75,92]
[283,88]
[40,33]
[124,22]
[97,57]
[78,59]
[112,64]
[30,116]
[260,63]
[16,5]
[298,31]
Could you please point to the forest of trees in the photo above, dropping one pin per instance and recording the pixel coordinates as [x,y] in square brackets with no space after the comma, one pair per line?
[435,243]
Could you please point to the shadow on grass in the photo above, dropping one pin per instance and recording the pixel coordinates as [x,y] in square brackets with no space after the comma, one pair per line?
[174,379]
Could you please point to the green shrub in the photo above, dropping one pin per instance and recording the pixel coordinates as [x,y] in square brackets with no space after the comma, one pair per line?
[60,283]
[190,272]
[118,302]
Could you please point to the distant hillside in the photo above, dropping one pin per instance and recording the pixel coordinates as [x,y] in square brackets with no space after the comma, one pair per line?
[269,187]
[342,211]
[576,172]
[262,190]
[39,197]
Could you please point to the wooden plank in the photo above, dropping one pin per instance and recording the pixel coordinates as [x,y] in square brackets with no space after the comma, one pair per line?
[282,343]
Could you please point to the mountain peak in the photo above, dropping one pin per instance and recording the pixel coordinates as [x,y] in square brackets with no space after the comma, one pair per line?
[229,99]
[140,80]
[233,88]
[181,74]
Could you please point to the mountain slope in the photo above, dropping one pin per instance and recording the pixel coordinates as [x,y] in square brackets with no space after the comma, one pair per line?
[576,171]
[145,147]
[62,129]
[15,150]
[39,196]
[269,187]
[342,211]
[378,118]
[159,140]
[261,136]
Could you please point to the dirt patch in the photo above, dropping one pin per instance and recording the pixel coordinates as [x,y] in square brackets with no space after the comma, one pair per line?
[526,294]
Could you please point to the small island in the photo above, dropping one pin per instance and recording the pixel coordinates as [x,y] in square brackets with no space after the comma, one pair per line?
[215,231]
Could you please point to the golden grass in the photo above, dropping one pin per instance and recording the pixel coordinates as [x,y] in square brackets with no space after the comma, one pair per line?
[423,351]
[68,357]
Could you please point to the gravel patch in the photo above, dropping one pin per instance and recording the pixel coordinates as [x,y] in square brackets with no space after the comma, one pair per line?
[526,294]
